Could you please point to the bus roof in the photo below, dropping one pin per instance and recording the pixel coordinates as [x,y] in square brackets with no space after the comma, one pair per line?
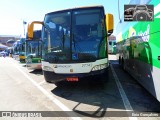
[84,7]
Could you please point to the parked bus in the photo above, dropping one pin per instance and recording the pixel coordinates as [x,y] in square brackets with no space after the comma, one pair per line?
[16,50]
[137,49]
[19,50]
[75,43]
[34,51]
[22,50]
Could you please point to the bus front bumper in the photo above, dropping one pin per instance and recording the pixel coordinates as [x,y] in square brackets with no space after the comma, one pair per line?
[34,66]
[52,77]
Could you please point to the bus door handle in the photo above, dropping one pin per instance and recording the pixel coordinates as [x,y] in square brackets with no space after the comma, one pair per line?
[158,57]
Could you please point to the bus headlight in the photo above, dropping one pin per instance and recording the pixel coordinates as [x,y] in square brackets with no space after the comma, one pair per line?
[99,67]
[39,61]
[46,68]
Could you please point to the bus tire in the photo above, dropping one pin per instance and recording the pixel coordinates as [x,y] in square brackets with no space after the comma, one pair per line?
[48,76]
[104,76]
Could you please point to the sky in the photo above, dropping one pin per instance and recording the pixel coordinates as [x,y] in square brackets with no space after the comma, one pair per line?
[14,12]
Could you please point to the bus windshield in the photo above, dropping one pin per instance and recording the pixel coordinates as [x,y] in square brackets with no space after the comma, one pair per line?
[74,35]
[16,48]
[33,48]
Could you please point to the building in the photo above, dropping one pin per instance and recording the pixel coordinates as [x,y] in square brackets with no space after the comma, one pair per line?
[8,40]
[2,47]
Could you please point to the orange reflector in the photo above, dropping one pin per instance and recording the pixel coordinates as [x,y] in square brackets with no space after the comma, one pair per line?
[72,79]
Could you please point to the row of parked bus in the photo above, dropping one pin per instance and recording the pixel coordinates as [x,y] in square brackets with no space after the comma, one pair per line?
[73,43]
[28,51]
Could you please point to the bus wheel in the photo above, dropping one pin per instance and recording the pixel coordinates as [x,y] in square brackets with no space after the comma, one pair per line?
[104,76]
[48,76]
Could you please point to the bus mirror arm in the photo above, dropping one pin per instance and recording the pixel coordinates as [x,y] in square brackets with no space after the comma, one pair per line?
[109,32]
[30,29]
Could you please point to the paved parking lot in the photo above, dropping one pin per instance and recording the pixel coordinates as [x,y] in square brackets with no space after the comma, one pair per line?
[90,98]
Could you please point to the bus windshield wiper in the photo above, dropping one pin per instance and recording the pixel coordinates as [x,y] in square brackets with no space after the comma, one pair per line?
[74,42]
[63,40]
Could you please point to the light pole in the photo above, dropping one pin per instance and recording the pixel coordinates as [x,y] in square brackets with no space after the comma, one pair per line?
[24,23]
[119,12]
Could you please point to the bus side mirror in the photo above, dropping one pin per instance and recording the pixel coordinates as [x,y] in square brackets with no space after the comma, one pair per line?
[109,24]
[30,30]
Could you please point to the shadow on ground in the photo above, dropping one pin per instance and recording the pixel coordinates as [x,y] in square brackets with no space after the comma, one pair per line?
[37,72]
[93,96]
[96,98]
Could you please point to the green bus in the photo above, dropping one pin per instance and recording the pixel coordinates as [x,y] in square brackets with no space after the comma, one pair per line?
[138,48]
[34,51]
[22,50]
[16,50]
[19,50]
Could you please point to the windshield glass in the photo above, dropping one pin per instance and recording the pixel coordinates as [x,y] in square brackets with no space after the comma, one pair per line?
[21,46]
[56,37]
[16,48]
[33,48]
[88,34]
[74,36]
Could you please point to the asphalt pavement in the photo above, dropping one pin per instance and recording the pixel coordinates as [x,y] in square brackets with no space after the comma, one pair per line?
[90,98]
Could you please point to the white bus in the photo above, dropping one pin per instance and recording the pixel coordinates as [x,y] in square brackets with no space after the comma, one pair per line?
[75,43]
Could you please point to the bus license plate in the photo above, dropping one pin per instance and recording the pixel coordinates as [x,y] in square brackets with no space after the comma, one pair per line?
[72,79]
